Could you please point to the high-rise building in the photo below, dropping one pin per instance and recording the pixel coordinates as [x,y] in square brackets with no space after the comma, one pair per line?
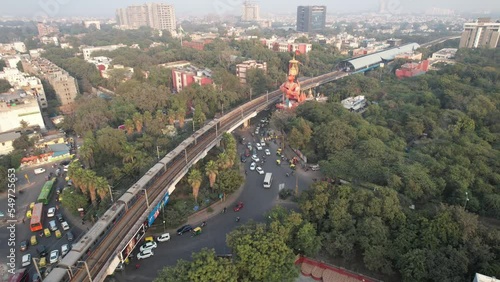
[311,18]
[481,34]
[250,12]
[155,15]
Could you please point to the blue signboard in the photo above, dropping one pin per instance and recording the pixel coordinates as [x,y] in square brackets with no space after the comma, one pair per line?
[156,210]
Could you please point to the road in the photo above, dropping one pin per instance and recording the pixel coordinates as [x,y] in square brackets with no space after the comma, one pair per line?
[30,192]
[256,199]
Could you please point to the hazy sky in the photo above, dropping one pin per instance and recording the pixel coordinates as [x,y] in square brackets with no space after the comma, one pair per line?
[59,8]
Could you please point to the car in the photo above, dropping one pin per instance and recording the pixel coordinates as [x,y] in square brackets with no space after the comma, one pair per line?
[54,256]
[32,205]
[64,249]
[120,267]
[268,153]
[163,237]
[26,260]
[263,120]
[59,217]
[315,167]
[57,233]
[259,170]
[253,165]
[249,145]
[23,246]
[243,159]
[47,233]
[28,214]
[52,225]
[70,236]
[258,146]
[247,152]
[64,225]
[51,212]
[42,251]
[184,229]
[238,206]
[262,142]
[39,170]
[148,246]
[255,158]
[145,254]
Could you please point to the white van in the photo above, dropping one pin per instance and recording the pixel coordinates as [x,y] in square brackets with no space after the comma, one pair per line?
[52,225]
[39,170]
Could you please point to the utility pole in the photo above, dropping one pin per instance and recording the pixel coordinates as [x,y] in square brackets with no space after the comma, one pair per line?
[111,193]
[251,94]
[158,151]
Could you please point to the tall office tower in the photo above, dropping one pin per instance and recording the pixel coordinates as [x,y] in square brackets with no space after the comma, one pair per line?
[161,16]
[311,18]
[481,34]
[155,15]
[250,12]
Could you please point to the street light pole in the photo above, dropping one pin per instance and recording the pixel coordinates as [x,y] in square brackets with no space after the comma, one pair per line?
[36,267]
[147,199]
[158,151]
[466,199]
[87,268]
[111,194]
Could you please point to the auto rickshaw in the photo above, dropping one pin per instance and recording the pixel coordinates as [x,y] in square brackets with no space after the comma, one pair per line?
[42,262]
[47,233]
[32,204]
[58,234]
[292,166]
[278,162]
[197,231]
[278,152]
[28,214]
[33,240]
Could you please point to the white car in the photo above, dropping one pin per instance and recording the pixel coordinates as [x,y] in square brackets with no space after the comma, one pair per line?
[64,249]
[26,260]
[54,256]
[249,145]
[258,146]
[51,212]
[145,254]
[148,246]
[64,225]
[163,237]
[255,158]
[259,170]
[252,166]
[262,142]
[39,170]
[268,153]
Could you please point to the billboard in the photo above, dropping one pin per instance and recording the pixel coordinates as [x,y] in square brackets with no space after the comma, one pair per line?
[156,210]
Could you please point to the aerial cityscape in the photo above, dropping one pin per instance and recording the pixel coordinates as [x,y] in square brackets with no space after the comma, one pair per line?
[250,141]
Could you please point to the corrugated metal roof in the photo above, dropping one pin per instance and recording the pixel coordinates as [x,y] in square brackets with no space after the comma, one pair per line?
[386,55]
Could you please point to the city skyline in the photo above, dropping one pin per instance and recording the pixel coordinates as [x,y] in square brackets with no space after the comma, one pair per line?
[96,8]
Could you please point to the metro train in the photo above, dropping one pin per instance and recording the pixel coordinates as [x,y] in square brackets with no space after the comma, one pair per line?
[82,249]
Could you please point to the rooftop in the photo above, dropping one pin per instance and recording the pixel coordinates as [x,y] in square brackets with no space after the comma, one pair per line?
[9,136]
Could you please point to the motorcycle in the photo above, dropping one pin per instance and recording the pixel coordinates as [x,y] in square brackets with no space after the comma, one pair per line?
[237,219]
[203,224]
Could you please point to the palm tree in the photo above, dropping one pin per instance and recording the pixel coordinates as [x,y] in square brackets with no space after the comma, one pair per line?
[171,117]
[223,161]
[129,154]
[181,116]
[89,177]
[24,125]
[147,117]
[211,170]
[102,187]
[194,179]
[138,121]
[75,173]
[129,126]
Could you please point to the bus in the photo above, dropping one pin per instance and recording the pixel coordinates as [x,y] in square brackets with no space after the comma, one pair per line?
[36,218]
[268,180]
[44,197]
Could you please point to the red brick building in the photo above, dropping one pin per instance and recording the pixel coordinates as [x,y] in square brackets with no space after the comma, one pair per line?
[183,77]
[412,69]
[198,44]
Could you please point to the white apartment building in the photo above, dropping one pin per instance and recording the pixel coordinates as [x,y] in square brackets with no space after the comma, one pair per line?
[32,85]
[16,107]
[241,69]
[87,51]
[444,54]
[250,12]
[481,34]
[354,103]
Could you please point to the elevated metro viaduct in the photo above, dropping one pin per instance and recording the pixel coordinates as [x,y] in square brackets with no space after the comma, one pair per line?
[107,252]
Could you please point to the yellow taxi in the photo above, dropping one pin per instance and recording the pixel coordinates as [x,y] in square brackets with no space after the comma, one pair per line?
[32,205]
[42,262]
[149,239]
[58,234]
[47,233]
[33,240]
[28,214]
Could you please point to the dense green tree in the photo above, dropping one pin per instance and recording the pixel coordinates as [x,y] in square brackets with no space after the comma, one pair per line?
[4,85]
[228,181]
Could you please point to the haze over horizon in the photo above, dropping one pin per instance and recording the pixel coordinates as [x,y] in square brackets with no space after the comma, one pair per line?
[107,8]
